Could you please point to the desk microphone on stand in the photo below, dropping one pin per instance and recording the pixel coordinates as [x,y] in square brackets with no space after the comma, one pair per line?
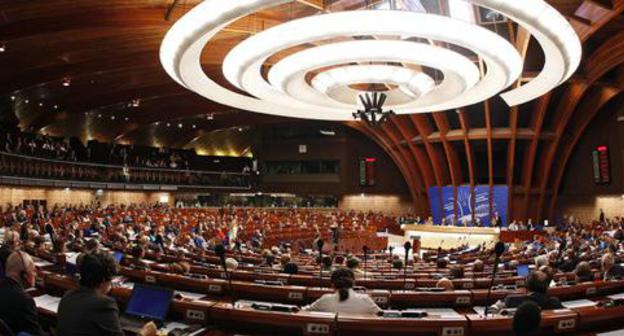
[219,250]
[499,248]
[319,245]
[408,247]
[365,250]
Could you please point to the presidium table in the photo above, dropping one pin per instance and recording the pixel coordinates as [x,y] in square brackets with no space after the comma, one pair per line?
[434,236]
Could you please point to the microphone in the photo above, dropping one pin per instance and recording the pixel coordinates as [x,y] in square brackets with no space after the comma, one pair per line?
[319,245]
[408,247]
[365,250]
[219,250]
[499,249]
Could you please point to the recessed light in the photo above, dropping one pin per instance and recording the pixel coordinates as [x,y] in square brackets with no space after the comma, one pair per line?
[126,118]
[13,97]
[56,107]
[2,47]
[194,126]
[26,101]
[67,81]
[180,125]
[112,117]
[168,125]
[40,104]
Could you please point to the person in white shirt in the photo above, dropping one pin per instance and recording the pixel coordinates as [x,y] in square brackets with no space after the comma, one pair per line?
[345,299]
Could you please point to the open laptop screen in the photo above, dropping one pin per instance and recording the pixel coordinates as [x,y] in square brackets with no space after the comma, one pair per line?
[149,302]
[522,270]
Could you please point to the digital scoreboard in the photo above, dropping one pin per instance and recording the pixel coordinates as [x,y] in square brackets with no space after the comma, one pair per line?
[600,164]
[367,171]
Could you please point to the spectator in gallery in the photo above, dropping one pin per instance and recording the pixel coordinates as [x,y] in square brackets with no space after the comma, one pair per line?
[601,217]
[345,300]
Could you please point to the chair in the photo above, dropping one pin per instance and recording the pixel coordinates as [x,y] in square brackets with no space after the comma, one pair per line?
[5,330]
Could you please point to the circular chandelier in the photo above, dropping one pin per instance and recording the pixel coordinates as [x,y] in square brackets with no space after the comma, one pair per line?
[364,47]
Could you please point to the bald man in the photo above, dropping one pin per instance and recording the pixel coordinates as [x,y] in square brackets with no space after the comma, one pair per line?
[18,309]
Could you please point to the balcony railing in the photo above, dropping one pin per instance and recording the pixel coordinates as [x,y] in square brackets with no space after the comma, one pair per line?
[22,169]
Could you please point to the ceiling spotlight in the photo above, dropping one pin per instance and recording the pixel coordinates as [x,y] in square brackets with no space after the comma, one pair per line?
[12,97]
[135,102]
[112,117]
[168,125]
[209,116]
[2,47]
[67,81]
[56,107]
[40,104]
[373,113]
[157,123]
[194,126]
[99,116]
[240,129]
[27,101]
[180,125]
[126,118]
[86,113]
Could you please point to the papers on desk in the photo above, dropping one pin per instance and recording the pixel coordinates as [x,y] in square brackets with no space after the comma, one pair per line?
[48,302]
[442,312]
[612,333]
[578,303]
[42,263]
[190,295]
[480,310]
[619,296]
[71,257]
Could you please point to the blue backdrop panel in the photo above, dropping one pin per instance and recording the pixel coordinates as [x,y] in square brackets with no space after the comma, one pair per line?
[464,209]
[500,200]
[448,203]
[434,200]
[482,204]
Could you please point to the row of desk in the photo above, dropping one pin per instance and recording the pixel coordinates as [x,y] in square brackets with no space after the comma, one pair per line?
[241,317]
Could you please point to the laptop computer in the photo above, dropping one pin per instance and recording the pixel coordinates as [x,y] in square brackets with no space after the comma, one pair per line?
[522,270]
[147,303]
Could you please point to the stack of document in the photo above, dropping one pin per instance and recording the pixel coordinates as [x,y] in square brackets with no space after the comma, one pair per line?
[48,302]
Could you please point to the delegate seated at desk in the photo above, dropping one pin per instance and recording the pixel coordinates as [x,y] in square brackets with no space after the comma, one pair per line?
[18,309]
[88,310]
[537,284]
[345,299]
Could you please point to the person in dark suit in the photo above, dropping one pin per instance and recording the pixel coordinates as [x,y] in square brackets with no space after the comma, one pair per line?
[88,310]
[18,309]
[610,268]
[527,319]
[537,285]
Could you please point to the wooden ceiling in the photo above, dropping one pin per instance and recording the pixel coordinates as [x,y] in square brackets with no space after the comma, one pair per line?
[109,52]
